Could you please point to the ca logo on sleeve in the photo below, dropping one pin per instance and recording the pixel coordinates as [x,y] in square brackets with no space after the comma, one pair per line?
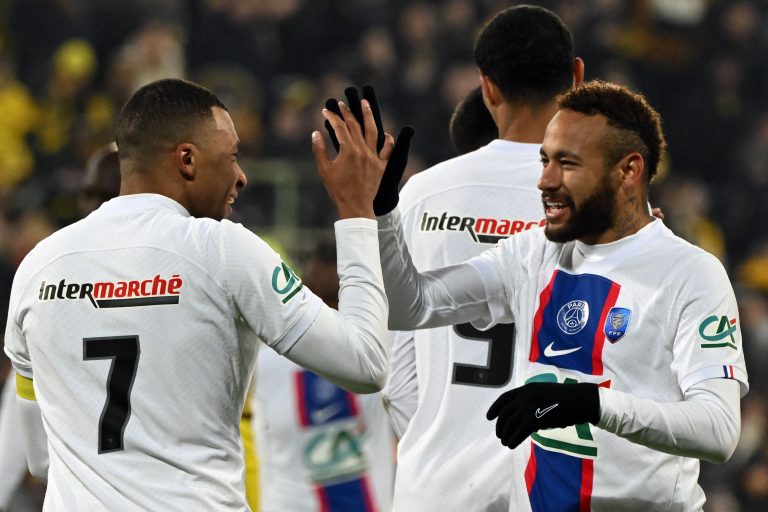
[717,331]
[285,282]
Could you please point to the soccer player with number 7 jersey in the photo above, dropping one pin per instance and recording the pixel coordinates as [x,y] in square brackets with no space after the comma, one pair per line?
[136,329]
[628,363]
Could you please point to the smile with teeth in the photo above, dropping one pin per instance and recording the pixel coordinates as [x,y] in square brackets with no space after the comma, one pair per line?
[231,200]
[554,208]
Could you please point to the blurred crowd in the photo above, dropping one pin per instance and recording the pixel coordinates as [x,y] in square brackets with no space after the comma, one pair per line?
[66,67]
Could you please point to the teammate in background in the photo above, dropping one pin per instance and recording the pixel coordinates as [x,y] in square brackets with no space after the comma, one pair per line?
[100,183]
[472,126]
[320,448]
[145,317]
[628,356]
[454,211]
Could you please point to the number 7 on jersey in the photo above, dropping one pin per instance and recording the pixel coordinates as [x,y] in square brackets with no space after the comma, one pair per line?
[124,353]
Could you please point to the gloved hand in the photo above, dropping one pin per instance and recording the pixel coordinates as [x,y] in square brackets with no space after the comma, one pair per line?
[387,196]
[541,405]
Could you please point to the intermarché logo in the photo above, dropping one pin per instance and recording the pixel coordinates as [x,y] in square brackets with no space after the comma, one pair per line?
[116,294]
[484,230]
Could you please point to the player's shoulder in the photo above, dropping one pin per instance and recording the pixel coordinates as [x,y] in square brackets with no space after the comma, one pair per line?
[496,164]
[677,248]
[531,241]
[51,247]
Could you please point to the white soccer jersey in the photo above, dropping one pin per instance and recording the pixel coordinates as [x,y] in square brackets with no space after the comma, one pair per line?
[13,461]
[650,315]
[449,457]
[321,449]
[140,324]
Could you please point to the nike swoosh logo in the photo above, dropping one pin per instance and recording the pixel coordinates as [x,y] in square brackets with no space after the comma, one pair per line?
[324,414]
[541,412]
[551,352]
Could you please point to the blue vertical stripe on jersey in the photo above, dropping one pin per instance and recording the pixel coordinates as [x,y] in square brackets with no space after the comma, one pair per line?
[556,482]
[351,496]
[321,402]
[581,349]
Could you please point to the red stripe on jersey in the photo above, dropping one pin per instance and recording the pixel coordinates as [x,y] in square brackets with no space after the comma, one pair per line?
[301,402]
[587,476]
[597,349]
[538,319]
[367,495]
[322,499]
[354,408]
[530,471]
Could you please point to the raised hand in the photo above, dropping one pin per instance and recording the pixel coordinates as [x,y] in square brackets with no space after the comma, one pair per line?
[352,178]
[387,195]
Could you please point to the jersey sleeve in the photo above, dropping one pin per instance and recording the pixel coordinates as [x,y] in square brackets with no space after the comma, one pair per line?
[503,270]
[708,343]
[266,292]
[15,344]
[401,392]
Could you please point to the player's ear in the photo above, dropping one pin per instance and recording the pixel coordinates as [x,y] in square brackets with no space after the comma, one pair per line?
[633,169]
[185,158]
[491,92]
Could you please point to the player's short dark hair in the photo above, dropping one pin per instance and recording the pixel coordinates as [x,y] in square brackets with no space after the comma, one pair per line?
[163,114]
[527,51]
[471,125]
[637,124]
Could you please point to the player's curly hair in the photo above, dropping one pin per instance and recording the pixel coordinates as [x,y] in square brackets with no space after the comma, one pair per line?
[638,125]
[161,115]
[527,51]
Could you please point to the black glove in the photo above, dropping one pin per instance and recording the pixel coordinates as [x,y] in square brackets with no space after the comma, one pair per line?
[387,196]
[541,405]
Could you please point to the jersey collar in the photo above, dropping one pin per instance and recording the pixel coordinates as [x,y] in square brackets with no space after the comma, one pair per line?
[515,148]
[136,202]
[632,243]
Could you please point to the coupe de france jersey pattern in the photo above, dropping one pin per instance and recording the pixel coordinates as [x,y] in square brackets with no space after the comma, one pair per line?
[649,315]
[321,449]
[449,457]
[139,326]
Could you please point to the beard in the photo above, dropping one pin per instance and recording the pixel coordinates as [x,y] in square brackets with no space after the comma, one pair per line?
[594,216]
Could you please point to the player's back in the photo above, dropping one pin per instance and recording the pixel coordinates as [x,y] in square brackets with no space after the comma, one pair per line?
[139,363]
[449,457]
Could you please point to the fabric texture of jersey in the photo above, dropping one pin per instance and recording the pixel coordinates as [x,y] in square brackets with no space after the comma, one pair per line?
[650,315]
[320,448]
[141,309]
[448,457]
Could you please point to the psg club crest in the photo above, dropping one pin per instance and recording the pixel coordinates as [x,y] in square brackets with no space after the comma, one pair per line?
[616,324]
[573,316]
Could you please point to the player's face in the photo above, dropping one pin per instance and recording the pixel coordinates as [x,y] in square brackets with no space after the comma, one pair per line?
[220,176]
[578,192]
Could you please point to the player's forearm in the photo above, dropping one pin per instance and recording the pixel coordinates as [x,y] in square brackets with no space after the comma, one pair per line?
[451,295]
[706,425]
[349,347]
